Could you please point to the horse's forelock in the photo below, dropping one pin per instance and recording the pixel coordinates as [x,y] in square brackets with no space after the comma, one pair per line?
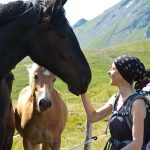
[46,71]
[31,69]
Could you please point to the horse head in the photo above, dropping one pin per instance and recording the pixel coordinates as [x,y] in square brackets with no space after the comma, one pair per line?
[53,44]
[42,84]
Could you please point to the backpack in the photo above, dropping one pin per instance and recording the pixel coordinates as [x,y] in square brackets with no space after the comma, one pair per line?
[128,117]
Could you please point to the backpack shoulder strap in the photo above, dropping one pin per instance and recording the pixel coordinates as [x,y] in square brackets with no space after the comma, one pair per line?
[116,101]
[128,107]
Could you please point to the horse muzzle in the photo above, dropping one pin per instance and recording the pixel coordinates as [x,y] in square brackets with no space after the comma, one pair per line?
[44,104]
[78,89]
[81,83]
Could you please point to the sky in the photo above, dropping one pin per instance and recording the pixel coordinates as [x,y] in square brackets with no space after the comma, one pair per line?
[88,9]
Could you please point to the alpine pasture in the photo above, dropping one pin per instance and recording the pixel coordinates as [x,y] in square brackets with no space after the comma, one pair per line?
[99,92]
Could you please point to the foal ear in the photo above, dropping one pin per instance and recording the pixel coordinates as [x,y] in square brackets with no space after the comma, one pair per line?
[29,69]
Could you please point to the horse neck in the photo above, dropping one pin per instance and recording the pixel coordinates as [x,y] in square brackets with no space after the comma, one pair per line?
[13,47]
[31,104]
[9,61]
[56,96]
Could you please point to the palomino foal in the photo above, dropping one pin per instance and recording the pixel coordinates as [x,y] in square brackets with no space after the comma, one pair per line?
[40,113]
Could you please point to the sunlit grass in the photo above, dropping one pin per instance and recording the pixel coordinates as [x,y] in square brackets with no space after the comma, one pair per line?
[99,92]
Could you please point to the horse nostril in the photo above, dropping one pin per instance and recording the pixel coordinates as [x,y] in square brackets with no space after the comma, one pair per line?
[49,103]
[41,102]
[45,103]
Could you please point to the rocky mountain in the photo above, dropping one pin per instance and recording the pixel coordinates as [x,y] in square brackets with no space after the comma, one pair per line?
[79,23]
[127,21]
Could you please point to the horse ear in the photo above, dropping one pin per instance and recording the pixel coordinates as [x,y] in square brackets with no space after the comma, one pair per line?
[53,7]
[63,2]
[28,67]
[49,6]
[59,4]
[54,76]
[31,68]
[48,12]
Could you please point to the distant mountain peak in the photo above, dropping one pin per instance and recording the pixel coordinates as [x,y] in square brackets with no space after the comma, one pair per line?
[79,23]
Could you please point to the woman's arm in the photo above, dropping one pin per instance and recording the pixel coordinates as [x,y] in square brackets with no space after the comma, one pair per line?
[138,115]
[95,115]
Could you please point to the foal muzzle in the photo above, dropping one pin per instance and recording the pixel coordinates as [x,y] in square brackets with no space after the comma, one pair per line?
[44,104]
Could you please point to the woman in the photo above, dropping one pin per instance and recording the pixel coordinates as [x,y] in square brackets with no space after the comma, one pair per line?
[124,72]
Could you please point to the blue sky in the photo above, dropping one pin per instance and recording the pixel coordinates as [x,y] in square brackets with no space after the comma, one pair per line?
[88,9]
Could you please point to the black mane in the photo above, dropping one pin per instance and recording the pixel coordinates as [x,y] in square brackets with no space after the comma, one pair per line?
[18,8]
[15,9]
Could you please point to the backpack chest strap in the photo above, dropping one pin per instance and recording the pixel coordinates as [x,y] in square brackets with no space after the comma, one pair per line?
[120,113]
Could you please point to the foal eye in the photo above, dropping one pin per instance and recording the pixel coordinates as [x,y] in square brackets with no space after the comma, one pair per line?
[36,77]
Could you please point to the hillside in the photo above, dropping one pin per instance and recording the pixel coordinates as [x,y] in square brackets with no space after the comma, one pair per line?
[79,23]
[126,22]
[99,91]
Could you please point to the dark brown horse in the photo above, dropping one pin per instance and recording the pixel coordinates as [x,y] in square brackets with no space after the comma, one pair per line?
[40,30]
[41,113]
[9,119]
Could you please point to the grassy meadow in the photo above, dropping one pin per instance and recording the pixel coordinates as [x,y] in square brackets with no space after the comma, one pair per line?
[99,92]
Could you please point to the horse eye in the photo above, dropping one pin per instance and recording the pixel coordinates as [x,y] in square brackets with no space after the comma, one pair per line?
[63,35]
[36,77]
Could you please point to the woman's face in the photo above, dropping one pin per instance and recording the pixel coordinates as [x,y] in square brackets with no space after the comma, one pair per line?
[115,76]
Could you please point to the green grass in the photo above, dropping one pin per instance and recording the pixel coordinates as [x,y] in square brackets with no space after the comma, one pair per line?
[99,92]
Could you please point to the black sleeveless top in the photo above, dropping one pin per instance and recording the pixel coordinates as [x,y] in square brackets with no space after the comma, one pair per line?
[119,129]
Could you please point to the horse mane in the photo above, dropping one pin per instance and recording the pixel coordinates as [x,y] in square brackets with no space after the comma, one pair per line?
[18,8]
[15,9]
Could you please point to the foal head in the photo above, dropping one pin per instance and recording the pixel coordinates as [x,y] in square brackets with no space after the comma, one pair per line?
[42,83]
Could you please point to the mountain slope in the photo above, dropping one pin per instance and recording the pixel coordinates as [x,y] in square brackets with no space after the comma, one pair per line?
[79,23]
[125,22]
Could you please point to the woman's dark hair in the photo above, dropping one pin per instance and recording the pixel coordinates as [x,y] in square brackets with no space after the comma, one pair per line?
[130,68]
[139,85]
